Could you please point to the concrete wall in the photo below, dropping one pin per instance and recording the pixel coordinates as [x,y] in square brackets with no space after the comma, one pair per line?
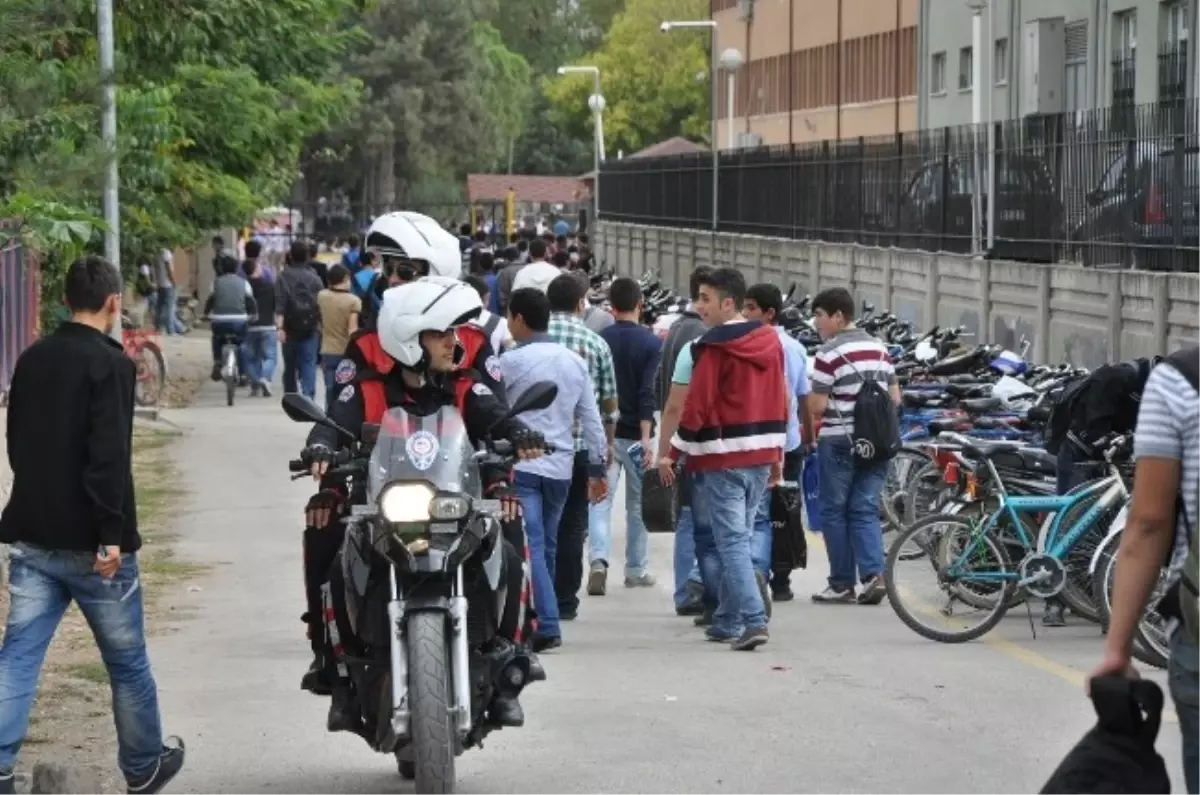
[1085,317]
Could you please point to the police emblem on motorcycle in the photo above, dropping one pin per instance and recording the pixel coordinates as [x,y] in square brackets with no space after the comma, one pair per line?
[492,365]
[422,449]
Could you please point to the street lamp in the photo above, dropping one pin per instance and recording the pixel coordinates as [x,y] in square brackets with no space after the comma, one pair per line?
[596,105]
[731,60]
[978,60]
[667,27]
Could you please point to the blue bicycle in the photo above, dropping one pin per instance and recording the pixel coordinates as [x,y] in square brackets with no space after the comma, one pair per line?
[1042,544]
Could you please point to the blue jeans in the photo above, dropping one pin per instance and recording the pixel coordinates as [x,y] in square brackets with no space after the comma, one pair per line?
[850,514]
[600,515]
[221,329]
[686,568]
[300,359]
[42,585]
[165,319]
[731,497]
[329,363]
[259,352]
[542,502]
[761,535]
[1185,692]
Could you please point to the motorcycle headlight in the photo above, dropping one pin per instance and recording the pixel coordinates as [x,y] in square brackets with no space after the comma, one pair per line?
[449,508]
[406,503]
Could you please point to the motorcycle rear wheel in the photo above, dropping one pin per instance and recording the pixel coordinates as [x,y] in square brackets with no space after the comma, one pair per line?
[429,686]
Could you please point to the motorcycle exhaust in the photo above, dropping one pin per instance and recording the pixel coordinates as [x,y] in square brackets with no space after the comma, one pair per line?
[400,712]
[459,661]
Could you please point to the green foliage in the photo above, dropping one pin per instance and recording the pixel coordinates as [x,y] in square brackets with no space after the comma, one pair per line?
[648,79]
[504,80]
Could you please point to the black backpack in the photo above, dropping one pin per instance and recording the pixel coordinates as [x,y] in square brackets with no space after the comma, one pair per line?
[876,436]
[1118,754]
[301,315]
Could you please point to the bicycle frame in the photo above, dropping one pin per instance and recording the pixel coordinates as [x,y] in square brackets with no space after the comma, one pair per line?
[1052,539]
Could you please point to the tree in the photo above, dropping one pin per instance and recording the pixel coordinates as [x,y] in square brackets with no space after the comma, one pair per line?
[505,82]
[649,79]
[545,148]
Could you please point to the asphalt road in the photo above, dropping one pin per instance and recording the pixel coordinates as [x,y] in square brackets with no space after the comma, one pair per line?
[843,699]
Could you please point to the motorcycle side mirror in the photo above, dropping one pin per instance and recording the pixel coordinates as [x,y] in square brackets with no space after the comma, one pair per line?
[301,408]
[539,396]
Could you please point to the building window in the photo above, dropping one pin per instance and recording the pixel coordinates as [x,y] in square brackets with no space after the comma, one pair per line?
[1174,19]
[966,69]
[937,74]
[1000,63]
[1125,35]
[1075,65]
[1124,71]
[1172,53]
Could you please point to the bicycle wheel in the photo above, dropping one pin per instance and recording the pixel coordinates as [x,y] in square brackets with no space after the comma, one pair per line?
[1151,643]
[981,594]
[893,500]
[151,374]
[1078,590]
[942,538]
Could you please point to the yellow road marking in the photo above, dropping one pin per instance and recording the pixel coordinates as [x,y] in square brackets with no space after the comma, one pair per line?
[1009,648]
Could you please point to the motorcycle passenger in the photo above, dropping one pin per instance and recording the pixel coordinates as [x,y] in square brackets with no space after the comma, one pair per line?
[421,356]
[230,308]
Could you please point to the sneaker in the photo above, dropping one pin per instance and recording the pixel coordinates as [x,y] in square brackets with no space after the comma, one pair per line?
[264,389]
[705,619]
[763,591]
[567,613]
[597,579]
[546,643]
[643,580]
[782,595]
[831,595]
[873,591]
[750,640]
[715,635]
[170,762]
[254,389]
[693,602]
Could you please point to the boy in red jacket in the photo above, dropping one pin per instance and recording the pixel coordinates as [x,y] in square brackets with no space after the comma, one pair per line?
[732,432]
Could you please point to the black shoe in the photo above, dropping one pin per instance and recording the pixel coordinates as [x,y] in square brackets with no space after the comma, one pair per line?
[546,642]
[750,640]
[537,672]
[1054,615]
[243,380]
[216,372]
[344,715]
[782,595]
[506,711]
[565,614]
[170,762]
[8,784]
[316,680]
[254,390]
[705,619]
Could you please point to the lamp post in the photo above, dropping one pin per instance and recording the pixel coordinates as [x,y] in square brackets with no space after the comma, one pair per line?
[108,134]
[596,105]
[731,60]
[711,25]
[978,59]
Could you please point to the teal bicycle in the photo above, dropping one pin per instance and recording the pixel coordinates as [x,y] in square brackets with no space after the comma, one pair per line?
[1040,546]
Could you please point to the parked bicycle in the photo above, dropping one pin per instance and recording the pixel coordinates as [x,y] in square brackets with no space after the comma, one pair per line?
[142,346]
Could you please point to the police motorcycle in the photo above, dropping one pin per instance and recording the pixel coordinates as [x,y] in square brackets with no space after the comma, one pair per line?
[422,661]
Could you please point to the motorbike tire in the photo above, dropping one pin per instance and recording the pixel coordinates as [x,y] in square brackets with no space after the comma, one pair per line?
[429,687]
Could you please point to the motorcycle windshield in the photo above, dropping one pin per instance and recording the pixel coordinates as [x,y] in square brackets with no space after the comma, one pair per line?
[433,448]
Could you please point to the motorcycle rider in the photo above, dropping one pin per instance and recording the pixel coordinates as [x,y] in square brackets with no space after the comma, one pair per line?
[420,357]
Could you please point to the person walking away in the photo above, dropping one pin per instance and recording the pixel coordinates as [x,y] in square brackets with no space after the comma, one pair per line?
[849,491]
[340,310]
[597,318]
[733,429]
[542,484]
[259,352]
[493,326]
[1162,526]
[255,262]
[566,298]
[1105,402]
[72,522]
[635,354]
[764,303]
[352,257]
[230,307]
[505,280]
[166,320]
[670,394]
[298,318]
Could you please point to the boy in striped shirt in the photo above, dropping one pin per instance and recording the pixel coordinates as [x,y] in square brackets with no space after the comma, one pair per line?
[849,493]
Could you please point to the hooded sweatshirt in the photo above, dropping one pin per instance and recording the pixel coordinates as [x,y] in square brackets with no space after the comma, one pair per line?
[735,414]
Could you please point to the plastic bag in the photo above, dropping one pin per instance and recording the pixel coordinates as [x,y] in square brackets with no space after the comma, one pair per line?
[812,494]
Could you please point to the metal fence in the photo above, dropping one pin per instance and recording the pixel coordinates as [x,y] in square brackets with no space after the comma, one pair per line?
[19,300]
[1116,187]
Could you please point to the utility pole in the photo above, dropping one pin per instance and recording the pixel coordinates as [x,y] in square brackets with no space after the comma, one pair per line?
[108,134]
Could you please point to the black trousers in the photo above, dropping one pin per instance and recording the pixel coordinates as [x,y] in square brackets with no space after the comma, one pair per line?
[321,545]
[572,533]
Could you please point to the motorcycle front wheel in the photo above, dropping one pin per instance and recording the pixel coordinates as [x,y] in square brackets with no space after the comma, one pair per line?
[429,686]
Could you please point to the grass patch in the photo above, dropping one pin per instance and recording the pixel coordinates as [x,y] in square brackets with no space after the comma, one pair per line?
[93,672]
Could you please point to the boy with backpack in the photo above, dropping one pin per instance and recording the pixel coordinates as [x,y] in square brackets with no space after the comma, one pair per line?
[299,320]
[854,394]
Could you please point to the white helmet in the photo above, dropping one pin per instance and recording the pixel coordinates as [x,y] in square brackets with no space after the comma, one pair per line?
[435,303]
[417,237]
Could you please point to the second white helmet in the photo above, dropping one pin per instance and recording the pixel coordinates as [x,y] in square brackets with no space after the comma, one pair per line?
[435,303]
[416,237]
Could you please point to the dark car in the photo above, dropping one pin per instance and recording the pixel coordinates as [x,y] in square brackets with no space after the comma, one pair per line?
[1144,216]
[935,209]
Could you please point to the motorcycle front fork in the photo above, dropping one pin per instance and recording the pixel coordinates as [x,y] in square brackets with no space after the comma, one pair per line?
[459,659]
